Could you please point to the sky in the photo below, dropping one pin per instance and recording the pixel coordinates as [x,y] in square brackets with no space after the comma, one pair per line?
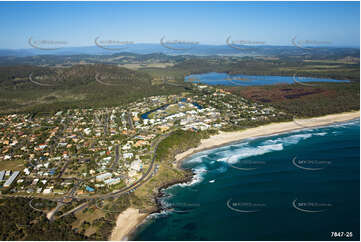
[274,23]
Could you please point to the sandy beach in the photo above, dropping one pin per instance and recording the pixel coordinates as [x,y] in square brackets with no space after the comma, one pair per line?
[130,218]
[127,222]
[224,138]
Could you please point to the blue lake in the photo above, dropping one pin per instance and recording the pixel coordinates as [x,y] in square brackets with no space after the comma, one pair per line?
[214,78]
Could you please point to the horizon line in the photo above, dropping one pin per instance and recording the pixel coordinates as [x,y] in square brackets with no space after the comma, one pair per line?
[200,44]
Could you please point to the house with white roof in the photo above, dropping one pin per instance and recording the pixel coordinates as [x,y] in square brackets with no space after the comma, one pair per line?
[128,155]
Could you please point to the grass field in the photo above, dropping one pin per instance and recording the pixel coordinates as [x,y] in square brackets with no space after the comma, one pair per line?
[14,165]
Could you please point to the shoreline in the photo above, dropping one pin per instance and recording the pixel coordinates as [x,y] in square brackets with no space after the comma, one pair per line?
[131,218]
[227,138]
[127,222]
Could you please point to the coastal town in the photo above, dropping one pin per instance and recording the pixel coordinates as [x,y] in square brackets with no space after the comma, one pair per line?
[83,163]
[99,151]
[181,121]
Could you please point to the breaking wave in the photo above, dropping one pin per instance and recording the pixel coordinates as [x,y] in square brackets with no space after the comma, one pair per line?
[198,172]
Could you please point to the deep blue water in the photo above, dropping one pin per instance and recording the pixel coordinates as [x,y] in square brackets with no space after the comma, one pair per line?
[302,185]
[214,78]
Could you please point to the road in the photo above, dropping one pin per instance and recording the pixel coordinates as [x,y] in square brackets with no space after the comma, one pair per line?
[130,121]
[50,215]
[106,124]
[81,206]
[63,169]
[116,159]
[145,177]
[135,184]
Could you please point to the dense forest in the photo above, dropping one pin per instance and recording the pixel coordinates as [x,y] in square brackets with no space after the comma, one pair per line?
[75,87]
[20,222]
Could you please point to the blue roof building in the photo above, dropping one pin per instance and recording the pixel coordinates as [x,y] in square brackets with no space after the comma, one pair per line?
[89,189]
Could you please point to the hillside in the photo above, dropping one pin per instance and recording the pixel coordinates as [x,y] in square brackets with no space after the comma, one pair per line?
[31,88]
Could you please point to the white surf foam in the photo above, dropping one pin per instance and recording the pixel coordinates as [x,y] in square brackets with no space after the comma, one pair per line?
[252,151]
[199,171]
[320,134]
[289,140]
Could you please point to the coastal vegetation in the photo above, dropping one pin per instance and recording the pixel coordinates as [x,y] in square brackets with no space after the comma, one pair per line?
[20,222]
[79,86]
[180,141]
[75,86]
[305,101]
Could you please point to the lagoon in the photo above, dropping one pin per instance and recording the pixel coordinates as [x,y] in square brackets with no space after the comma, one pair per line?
[214,78]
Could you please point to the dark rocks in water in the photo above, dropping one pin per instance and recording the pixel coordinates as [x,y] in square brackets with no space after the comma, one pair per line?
[161,189]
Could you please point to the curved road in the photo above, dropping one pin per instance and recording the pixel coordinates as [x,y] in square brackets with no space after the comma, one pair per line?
[145,177]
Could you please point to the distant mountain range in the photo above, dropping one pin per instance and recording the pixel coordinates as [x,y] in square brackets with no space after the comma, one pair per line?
[202,50]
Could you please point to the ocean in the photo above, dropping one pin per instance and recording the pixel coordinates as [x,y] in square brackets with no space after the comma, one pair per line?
[301,185]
